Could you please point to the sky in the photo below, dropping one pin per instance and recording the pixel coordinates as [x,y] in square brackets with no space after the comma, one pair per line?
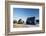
[23,13]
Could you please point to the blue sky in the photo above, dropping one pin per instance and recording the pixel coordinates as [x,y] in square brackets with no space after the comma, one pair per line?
[23,13]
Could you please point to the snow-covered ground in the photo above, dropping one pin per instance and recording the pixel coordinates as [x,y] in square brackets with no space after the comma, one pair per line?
[24,25]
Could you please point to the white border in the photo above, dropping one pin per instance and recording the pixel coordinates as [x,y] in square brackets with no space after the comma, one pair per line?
[25,29]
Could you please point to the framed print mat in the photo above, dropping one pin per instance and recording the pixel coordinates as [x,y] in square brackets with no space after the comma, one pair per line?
[24,17]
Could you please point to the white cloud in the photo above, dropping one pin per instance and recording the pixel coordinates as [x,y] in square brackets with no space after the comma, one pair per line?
[37,18]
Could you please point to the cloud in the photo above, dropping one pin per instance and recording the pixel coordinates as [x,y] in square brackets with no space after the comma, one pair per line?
[37,18]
